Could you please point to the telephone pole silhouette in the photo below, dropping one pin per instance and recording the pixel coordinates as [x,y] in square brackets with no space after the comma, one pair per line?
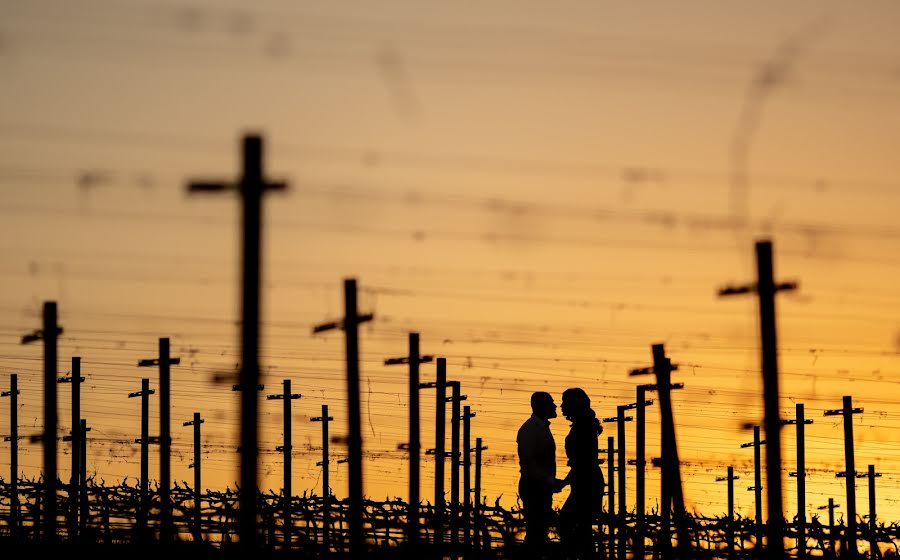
[326,489]
[75,379]
[49,335]
[198,481]
[350,326]
[765,289]
[874,552]
[800,421]
[850,472]
[144,440]
[440,419]
[671,493]
[287,492]
[13,439]
[729,529]
[414,446]
[164,361]
[250,186]
[757,487]
[640,463]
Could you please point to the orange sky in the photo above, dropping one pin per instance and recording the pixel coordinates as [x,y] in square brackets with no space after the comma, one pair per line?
[542,192]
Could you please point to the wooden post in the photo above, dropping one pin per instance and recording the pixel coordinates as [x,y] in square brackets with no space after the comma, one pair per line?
[286,448]
[757,485]
[850,472]
[467,478]
[198,481]
[611,494]
[477,514]
[800,421]
[49,335]
[75,379]
[13,440]
[640,467]
[326,488]
[414,446]
[440,419]
[766,288]
[251,186]
[729,530]
[350,324]
[83,429]
[874,552]
[164,361]
[455,399]
[144,440]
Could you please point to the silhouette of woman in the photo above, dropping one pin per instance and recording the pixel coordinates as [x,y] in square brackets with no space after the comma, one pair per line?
[585,477]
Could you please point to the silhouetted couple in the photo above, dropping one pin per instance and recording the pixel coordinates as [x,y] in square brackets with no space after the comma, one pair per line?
[538,482]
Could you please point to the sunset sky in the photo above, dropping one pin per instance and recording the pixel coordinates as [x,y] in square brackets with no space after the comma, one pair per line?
[542,190]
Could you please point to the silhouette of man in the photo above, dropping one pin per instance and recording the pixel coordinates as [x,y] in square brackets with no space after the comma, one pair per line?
[537,467]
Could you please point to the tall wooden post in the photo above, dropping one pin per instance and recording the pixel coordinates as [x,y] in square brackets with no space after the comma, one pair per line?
[757,485]
[766,288]
[800,421]
[83,497]
[287,449]
[640,467]
[164,361]
[467,477]
[350,324]
[414,446]
[831,506]
[326,488]
[874,551]
[477,513]
[439,453]
[13,440]
[729,530]
[670,479]
[850,472]
[251,186]
[198,481]
[49,334]
[75,379]
[611,494]
[455,399]
[144,440]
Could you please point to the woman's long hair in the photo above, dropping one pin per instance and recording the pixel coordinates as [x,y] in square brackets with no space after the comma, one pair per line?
[581,407]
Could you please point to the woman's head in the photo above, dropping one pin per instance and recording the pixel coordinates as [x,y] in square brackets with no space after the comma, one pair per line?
[576,404]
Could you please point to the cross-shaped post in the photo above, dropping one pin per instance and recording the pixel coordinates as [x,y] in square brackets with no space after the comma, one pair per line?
[640,466]
[766,288]
[467,416]
[49,334]
[287,493]
[757,487]
[850,471]
[164,362]
[198,484]
[620,419]
[326,489]
[800,421]
[76,380]
[672,496]
[440,427]
[874,552]
[831,540]
[250,186]
[144,440]
[414,446]
[455,399]
[477,490]
[350,326]
[13,439]
[729,529]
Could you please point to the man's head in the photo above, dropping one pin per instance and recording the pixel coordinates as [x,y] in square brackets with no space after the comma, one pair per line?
[542,405]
